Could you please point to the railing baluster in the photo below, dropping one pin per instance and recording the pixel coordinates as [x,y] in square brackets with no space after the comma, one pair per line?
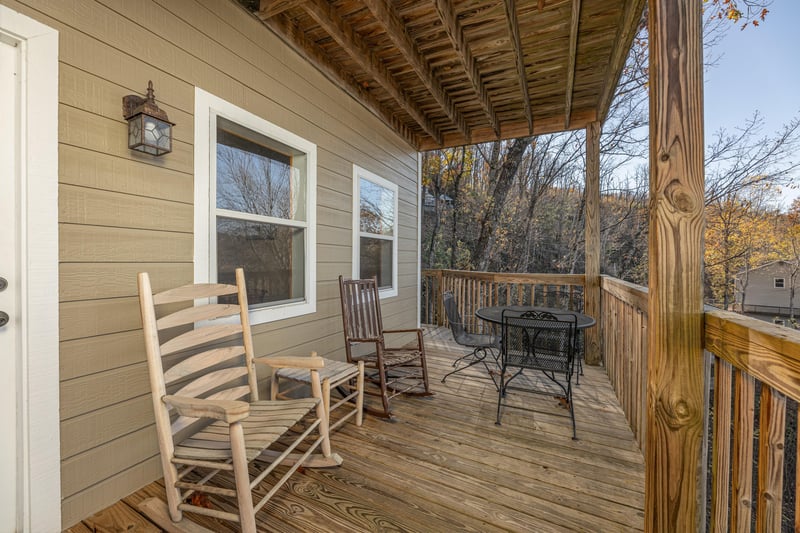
[742,478]
[771,431]
[721,451]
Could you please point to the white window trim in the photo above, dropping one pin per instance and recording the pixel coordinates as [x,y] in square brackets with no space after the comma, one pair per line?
[358,173]
[207,107]
[775,283]
[39,477]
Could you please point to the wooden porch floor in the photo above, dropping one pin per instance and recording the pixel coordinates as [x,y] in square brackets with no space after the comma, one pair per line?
[444,465]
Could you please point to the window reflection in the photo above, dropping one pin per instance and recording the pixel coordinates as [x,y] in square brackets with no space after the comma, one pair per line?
[271,255]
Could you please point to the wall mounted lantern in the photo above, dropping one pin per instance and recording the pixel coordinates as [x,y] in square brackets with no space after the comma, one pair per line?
[149,129]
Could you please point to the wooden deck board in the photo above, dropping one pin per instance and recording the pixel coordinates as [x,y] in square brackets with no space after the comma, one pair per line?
[444,465]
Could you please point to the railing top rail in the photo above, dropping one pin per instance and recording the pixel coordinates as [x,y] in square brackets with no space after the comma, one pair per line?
[626,291]
[513,277]
[768,352]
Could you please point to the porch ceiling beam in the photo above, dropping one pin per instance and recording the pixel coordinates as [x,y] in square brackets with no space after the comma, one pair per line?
[387,15]
[625,34]
[580,118]
[455,32]
[270,8]
[340,31]
[516,46]
[573,52]
[316,56]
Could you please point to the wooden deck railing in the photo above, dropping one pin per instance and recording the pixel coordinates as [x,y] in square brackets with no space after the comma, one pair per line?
[753,434]
[753,388]
[623,333]
[474,290]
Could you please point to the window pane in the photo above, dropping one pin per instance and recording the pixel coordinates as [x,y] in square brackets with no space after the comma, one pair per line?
[258,175]
[376,260]
[272,256]
[377,208]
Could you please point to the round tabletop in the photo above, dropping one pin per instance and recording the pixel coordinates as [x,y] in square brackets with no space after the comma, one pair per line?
[495,314]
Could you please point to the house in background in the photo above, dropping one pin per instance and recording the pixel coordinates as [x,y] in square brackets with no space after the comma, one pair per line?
[767,289]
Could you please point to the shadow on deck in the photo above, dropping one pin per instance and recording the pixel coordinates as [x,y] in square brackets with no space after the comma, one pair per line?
[444,465]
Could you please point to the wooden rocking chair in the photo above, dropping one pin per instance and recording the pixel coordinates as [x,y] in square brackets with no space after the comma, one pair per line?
[391,371]
[209,418]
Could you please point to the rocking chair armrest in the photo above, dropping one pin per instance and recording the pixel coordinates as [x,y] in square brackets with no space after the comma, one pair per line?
[292,361]
[229,411]
[412,330]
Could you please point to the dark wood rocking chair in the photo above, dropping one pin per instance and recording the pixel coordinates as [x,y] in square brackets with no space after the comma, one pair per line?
[390,371]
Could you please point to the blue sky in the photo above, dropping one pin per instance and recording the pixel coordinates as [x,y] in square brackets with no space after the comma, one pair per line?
[760,70]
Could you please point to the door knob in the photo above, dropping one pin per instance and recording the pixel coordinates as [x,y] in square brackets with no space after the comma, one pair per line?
[3,284]
[3,318]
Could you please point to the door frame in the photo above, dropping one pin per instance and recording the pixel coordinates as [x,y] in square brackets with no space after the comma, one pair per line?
[38,443]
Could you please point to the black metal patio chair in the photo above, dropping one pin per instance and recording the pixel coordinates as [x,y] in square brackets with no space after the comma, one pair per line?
[482,344]
[539,341]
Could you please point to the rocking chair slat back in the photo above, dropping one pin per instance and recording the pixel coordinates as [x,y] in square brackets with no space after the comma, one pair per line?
[190,315]
[209,418]
[192,292]
[361,311]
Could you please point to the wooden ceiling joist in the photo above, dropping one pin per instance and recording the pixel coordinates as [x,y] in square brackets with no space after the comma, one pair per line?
[516,46]
[573,52]
[580,119]
[396,31]
[626,31]
[341,32]
[455,32]
[314,54]
[271,8]
[444,73]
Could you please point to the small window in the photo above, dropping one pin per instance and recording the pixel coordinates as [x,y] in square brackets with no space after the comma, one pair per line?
[255,209]
[779,283]
[375,230]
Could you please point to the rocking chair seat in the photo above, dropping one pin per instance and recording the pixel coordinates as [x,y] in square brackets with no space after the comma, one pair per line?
[391,357]
[267,422]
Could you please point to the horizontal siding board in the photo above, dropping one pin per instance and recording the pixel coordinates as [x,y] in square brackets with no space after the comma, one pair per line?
[105,493]
[80,205]
[82,395]
[87,431]
[99,96]
[82,129]
[89,355]
[100,463]
[98,317]
[91,281]
[79,243]
[96,170]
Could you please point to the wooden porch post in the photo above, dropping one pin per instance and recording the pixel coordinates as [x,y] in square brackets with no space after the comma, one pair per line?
[592,237]
[675,369]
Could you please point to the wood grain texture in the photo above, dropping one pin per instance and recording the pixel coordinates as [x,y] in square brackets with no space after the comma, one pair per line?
[771,432]
[721,447]
[675,372]
[767,352]
[466,473]
[592,234]
[742,471]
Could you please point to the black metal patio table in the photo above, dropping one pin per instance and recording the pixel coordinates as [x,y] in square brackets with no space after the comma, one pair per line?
[494,314]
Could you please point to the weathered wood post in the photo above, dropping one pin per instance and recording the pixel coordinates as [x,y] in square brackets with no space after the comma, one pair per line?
[675,368]
[592,238]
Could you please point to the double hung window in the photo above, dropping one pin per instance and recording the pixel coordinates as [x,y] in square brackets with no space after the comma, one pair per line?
[255,209]
[375,230]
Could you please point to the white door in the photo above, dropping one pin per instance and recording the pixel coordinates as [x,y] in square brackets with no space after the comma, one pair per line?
[9,295]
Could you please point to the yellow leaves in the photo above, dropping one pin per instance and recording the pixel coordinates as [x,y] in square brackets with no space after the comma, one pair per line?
[734,14]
